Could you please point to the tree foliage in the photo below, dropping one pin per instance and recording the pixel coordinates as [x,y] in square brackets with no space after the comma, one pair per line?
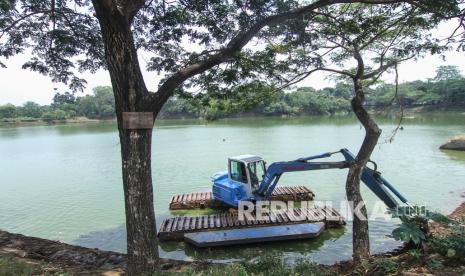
[64,98]
[327,41]
[100,105]
[64,36]
[8,111]
[31,109]
[447,72]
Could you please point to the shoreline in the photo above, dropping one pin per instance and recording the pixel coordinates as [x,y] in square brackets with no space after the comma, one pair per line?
[40,122]
[47,256]
[409,113]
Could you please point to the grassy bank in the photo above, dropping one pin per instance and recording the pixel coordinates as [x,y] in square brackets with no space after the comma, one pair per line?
[408,262]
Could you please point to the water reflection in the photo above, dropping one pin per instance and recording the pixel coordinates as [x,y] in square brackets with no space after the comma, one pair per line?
[113,239]
[455,155]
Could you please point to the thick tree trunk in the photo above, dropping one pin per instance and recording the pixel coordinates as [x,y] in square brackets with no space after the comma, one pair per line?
[131,95]
[142,247]
[361,242]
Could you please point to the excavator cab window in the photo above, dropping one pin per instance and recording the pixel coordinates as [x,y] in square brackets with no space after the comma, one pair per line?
[238,172]
[257,172]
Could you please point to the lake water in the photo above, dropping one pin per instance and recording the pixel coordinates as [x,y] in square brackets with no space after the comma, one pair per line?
[64,182]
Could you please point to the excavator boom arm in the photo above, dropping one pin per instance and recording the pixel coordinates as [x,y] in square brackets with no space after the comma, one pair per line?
[372,179]
[275,170]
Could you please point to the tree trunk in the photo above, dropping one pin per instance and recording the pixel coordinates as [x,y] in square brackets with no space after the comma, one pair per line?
[142,247]
[131,95]
[360,238]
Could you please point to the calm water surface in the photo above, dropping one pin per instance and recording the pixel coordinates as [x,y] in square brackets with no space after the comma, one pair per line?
[64,182]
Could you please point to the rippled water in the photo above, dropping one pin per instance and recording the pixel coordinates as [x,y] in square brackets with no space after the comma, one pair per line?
[64,182]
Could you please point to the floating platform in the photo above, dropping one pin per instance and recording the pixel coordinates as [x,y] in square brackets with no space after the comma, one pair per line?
[176,227]
[205,199]
[255,235]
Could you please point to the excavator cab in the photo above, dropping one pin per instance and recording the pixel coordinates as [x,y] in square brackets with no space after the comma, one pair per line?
[248,170]
[244,176]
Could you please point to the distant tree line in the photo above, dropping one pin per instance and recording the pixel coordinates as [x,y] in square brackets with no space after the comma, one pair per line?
[447,88]
[256,98]
[99,105]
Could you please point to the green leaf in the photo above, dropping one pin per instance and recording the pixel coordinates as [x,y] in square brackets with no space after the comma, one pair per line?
[451,253]
[409,232]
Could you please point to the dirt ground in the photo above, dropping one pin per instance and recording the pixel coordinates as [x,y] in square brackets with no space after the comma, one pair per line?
[52,256]
[459,212]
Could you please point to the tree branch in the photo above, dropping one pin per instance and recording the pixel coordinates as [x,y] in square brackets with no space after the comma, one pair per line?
[418,4]
[297,78]
[345,73]
[13,24]
[238,42]
[129,8]
[360,64]
[383,68]
[380,33]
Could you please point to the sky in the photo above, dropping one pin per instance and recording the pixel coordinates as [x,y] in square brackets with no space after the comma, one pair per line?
[18,86]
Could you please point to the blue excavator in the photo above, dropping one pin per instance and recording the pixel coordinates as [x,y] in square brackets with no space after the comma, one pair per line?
[249,179]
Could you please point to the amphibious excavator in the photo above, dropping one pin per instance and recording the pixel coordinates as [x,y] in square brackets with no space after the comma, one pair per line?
[248,179]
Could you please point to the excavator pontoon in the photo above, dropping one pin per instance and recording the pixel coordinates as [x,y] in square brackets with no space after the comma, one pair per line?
[248,179]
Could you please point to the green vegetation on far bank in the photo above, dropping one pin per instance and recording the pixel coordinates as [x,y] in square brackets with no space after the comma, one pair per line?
[445,91]
[65,106]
